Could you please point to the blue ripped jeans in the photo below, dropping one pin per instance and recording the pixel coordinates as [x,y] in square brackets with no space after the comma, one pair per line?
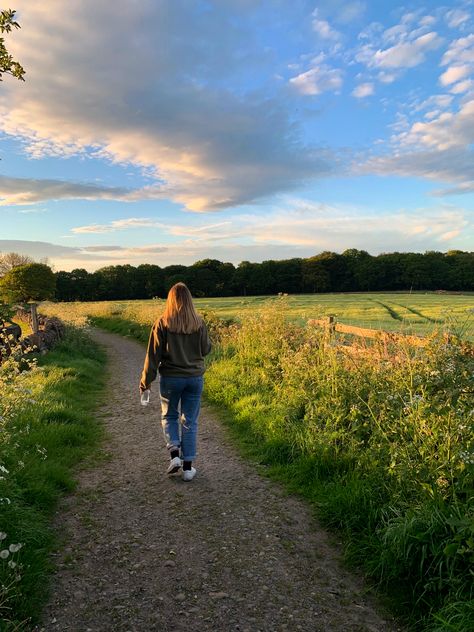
[180,405]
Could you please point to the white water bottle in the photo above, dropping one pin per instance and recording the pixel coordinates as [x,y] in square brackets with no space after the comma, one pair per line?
[145,398]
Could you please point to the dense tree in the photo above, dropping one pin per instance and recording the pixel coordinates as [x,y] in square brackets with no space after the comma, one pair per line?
[173,274]
[8,65]
[461,270]
[30,282]
[362,268]
[210,277]
[150,281]
[352,271]
[315,276]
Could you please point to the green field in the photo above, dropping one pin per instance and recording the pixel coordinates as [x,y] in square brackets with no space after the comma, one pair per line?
[418,313]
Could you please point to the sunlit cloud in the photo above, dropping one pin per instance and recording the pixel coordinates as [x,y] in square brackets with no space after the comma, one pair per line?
[301,228]
[460,51]
[462,87]
[453,74]
[118,224]
[209,147]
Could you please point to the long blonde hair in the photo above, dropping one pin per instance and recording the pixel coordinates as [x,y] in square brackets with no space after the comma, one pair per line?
[180,316]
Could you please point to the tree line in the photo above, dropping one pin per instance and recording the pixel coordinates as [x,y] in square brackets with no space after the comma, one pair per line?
[352,271]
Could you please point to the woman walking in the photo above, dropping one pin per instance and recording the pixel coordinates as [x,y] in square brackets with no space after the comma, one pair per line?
[178,343]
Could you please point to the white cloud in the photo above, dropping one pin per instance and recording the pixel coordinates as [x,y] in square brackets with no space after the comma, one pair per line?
[457,17]
[387,77]
[161,101]
[318,80]
[463,86]
[406,54]
[448,131]
[428,20]
[460,51]
[403,45]
[441,101]
[323,29]
[453,74]
[439,150]
[363,90]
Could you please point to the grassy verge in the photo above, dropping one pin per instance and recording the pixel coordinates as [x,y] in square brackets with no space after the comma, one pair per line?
[381,446]
[122,326]
[47,428]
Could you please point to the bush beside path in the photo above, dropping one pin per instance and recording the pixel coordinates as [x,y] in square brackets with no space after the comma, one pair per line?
[229,551]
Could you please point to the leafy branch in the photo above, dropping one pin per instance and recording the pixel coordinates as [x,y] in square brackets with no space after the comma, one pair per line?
[7,64]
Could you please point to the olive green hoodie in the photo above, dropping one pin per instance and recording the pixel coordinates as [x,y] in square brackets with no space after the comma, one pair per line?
[177,355]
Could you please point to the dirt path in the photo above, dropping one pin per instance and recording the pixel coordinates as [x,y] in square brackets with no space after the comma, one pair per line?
[228,551]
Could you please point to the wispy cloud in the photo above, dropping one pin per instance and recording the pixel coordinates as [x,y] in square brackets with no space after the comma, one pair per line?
[457,17]
[118,224]
[323,29]
[453,74]
[405,54]
[460,51]
[321,78]
[363,90]
[25,191]
[301,228]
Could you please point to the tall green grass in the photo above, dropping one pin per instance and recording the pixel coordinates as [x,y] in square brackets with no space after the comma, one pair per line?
[47,428]
[381,443]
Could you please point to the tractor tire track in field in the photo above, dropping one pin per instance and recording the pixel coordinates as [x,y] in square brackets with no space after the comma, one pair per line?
[391,312]
[228,551]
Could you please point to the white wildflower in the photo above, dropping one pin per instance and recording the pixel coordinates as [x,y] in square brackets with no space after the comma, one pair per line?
[14,548]
[4,554]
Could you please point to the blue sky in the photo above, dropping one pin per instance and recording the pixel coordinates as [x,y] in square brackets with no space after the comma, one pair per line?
[168,132]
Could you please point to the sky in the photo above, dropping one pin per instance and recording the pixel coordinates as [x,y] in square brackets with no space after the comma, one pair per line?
[172,131]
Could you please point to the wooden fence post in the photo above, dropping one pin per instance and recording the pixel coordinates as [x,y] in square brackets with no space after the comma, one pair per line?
[331,324]
[34,318]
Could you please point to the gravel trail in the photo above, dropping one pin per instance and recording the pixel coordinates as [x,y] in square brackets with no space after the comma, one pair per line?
[229,551]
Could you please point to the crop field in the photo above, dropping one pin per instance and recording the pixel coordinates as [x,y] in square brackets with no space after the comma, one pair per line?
[418,313]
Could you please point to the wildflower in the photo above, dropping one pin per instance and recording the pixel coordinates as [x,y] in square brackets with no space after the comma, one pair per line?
[3,535]
[14,548]
[12,564]
[467,457]
[4,554]
[4,469]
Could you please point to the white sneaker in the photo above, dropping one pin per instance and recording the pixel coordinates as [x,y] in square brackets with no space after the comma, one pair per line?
[174,466]
[188,475]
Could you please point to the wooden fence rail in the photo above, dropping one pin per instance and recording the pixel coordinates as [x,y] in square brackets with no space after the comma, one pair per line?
[380,335]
